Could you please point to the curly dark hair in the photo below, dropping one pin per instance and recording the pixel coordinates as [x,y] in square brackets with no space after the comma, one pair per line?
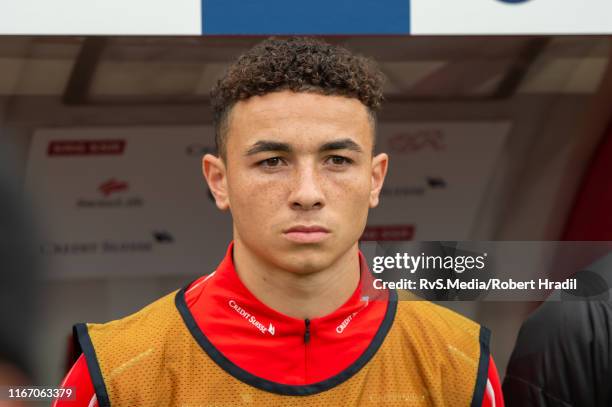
[298,64]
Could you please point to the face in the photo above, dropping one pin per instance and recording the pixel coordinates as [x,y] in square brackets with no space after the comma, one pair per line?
[299,177]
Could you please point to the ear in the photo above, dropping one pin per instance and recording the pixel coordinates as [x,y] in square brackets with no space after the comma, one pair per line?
[216,176]
[380,163]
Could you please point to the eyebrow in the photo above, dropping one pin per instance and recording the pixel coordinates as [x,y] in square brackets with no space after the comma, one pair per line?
[342,144]
[267,145]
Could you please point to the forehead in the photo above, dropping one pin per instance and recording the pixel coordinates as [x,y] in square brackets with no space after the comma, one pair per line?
[299,118]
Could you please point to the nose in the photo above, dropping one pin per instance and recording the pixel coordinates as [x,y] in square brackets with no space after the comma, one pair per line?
[306,193]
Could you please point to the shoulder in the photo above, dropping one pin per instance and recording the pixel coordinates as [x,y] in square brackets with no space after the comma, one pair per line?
[562,353]
[555,320]
[435,319]
[442,335]
[561,334]
[437,339]
[156,318]
[122,352]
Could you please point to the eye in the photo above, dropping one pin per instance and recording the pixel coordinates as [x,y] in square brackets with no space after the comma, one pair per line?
[271,162]
[338,160]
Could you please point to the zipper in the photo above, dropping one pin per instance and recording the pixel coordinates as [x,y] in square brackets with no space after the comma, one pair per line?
[306,330]
[306,341]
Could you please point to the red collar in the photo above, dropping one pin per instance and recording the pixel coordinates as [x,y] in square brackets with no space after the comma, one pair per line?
[274,346]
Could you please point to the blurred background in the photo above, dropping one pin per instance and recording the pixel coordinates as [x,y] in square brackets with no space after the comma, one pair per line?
[490,138]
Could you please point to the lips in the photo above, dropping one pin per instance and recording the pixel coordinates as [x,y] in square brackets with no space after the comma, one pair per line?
[306,233]
[306,229]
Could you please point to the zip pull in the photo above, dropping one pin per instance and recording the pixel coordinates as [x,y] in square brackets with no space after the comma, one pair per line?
[307,330]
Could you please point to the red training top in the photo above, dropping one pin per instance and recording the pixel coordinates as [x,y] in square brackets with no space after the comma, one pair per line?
[247,332]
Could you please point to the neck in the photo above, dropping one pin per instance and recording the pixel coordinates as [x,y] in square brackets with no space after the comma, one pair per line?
[298,295]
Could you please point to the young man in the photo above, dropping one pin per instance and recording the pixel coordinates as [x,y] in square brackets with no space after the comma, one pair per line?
[290,315]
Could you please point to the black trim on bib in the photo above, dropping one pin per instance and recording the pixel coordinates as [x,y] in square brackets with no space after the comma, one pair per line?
[81,333]
[279,388]
[482,374]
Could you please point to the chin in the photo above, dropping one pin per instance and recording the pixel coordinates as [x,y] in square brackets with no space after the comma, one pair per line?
[306,267]
[307,261]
